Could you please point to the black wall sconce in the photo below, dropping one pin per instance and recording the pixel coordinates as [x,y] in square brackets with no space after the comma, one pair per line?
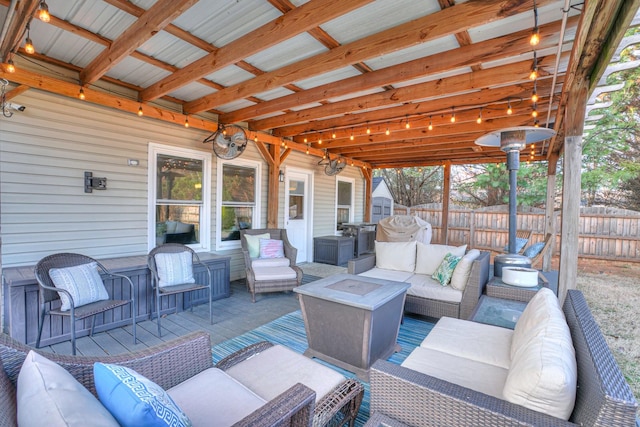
[281,176]
[91,183]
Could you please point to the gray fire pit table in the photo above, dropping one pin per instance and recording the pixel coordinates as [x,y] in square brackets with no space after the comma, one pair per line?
[352,321]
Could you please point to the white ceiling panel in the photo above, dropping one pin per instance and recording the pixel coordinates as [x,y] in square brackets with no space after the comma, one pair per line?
[220,22]
[192,91]
[273,94]
[414,52]
[230,75]
[137,72]
[235,105]
[329,77]
[171,50]
[289,51]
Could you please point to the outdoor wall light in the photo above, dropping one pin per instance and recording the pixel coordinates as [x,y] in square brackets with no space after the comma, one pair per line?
[281,176]
[91,183]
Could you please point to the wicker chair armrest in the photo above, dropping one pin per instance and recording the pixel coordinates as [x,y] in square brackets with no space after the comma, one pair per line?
[247,259]
[473,290]
[346,397]
[361,264]
[164,364]
[293,408]
[421,400]
[243,354]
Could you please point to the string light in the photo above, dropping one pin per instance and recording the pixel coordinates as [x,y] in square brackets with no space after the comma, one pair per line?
[407,125]
[368,129]
[320,141]
[307,148]
[11,68]
[479,119]
[255,138]
[534,113]
[28,47]
[43,12]
[186,121]
[305,140]
[140,112]
[534,70]
[509,109]
[453,115]
[430,124]
[351,137]
[535,34]
[81,94]
[536,123]
[333,134]
[534,95]
[387,132]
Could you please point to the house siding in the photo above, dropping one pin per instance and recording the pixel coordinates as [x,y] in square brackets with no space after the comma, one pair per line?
[45,150]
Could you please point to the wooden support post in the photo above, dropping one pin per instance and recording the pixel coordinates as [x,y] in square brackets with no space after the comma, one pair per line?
[574,123]
[273,195]
[550,217]
[368,191]
[446,194]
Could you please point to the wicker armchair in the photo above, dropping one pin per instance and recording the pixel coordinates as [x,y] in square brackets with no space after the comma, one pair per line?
[163,364]
[257,285]
[49,294]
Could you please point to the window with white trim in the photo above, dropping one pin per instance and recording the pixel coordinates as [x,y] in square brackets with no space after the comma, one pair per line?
[238,200]
[179,196]
[344,201]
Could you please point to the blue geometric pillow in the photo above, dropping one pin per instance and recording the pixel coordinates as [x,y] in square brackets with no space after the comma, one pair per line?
[134,400]
[533,250]
[520,242]
[82,281]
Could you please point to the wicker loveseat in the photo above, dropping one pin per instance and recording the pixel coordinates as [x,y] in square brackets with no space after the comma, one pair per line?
[602,398]
[173,363]
[423,297]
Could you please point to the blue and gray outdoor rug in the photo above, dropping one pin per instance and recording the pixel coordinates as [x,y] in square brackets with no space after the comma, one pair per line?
[289,331]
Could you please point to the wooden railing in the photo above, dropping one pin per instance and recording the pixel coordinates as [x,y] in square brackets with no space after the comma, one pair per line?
[604,234]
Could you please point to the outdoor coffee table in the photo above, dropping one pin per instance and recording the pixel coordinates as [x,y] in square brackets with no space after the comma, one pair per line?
[352,321]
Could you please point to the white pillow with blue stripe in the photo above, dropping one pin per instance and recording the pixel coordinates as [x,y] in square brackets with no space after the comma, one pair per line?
[135,400]
[174,268]
[82,281]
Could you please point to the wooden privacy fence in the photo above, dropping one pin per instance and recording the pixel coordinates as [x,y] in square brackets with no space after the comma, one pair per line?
[604,234]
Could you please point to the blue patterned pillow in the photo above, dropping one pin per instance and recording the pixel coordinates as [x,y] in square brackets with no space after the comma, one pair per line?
[174,268]
[533,250]
[520,243]
[445,270]
[82,281]
[134,400]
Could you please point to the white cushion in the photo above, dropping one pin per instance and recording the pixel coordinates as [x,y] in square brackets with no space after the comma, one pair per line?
[426,287]
[463,269]
[541,312]
[429,257]
[83,283]
[174,268]
[478,376]
[253,243]
[49,395]
[384,274]
[274,273]
[477,341]
[213,398]
[396,255]
[543,375]
[279,368]
[270,262]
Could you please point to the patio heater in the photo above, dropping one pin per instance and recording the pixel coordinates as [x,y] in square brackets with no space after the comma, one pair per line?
[511,141]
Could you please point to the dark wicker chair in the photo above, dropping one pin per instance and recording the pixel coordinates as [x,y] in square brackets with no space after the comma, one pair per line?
[261,286]
[159,292]
[49,294]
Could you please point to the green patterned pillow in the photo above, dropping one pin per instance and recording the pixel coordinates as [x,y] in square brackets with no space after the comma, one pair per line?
[445,270]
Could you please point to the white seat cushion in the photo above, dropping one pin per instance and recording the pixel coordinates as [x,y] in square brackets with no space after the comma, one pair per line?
[477,341]
[478,376]
[425,287]
[279,368]
[396,255]
[384,274]
[270,262]
[214,398]
[274,273]
[429,257]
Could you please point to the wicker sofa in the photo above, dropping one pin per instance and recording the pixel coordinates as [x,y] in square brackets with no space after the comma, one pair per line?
[171,364]
[423,295]
[602,396]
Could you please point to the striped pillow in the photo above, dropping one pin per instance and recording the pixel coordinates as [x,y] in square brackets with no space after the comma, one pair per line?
[174,268]
[82,281]
[271,248]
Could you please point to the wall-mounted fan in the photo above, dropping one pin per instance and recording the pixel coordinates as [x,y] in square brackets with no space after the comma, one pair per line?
[229,141]
[332,167]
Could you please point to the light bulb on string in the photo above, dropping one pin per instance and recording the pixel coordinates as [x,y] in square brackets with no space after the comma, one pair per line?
[333,134]
[140,112]
[534,95]
[430,124]
[81,94]
[186,121]
[28,47]
[479,119]
[535,34]
[453,115]
[509,109]
[11,68]
[43,12]
[407,125]
[534,69]
[387,132]
[351,137]
[319,141]
[368,129]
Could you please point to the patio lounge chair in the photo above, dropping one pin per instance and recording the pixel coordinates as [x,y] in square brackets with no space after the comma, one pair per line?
[269,274]
[83,294]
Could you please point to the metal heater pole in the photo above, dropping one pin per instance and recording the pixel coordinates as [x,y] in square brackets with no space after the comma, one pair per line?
[513,164]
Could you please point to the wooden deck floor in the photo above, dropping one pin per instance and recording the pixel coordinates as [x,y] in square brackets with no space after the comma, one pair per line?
[232,316]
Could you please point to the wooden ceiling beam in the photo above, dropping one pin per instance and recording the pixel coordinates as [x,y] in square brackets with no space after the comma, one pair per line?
[446,22]
[435,89]
[153,20]
[297,21]
[13,38]
[489,50]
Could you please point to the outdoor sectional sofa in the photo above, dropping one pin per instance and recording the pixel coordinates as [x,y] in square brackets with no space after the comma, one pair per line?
[173,364]
[415,262]
[431,388]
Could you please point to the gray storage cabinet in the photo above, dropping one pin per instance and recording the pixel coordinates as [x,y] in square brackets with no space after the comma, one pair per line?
[335,250]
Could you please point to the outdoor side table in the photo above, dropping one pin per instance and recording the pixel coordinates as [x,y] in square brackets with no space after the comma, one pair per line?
[334,250]
[497,288]
[352,321]
[498,311]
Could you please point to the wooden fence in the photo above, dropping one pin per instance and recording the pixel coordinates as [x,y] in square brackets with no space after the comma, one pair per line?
[611,234]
